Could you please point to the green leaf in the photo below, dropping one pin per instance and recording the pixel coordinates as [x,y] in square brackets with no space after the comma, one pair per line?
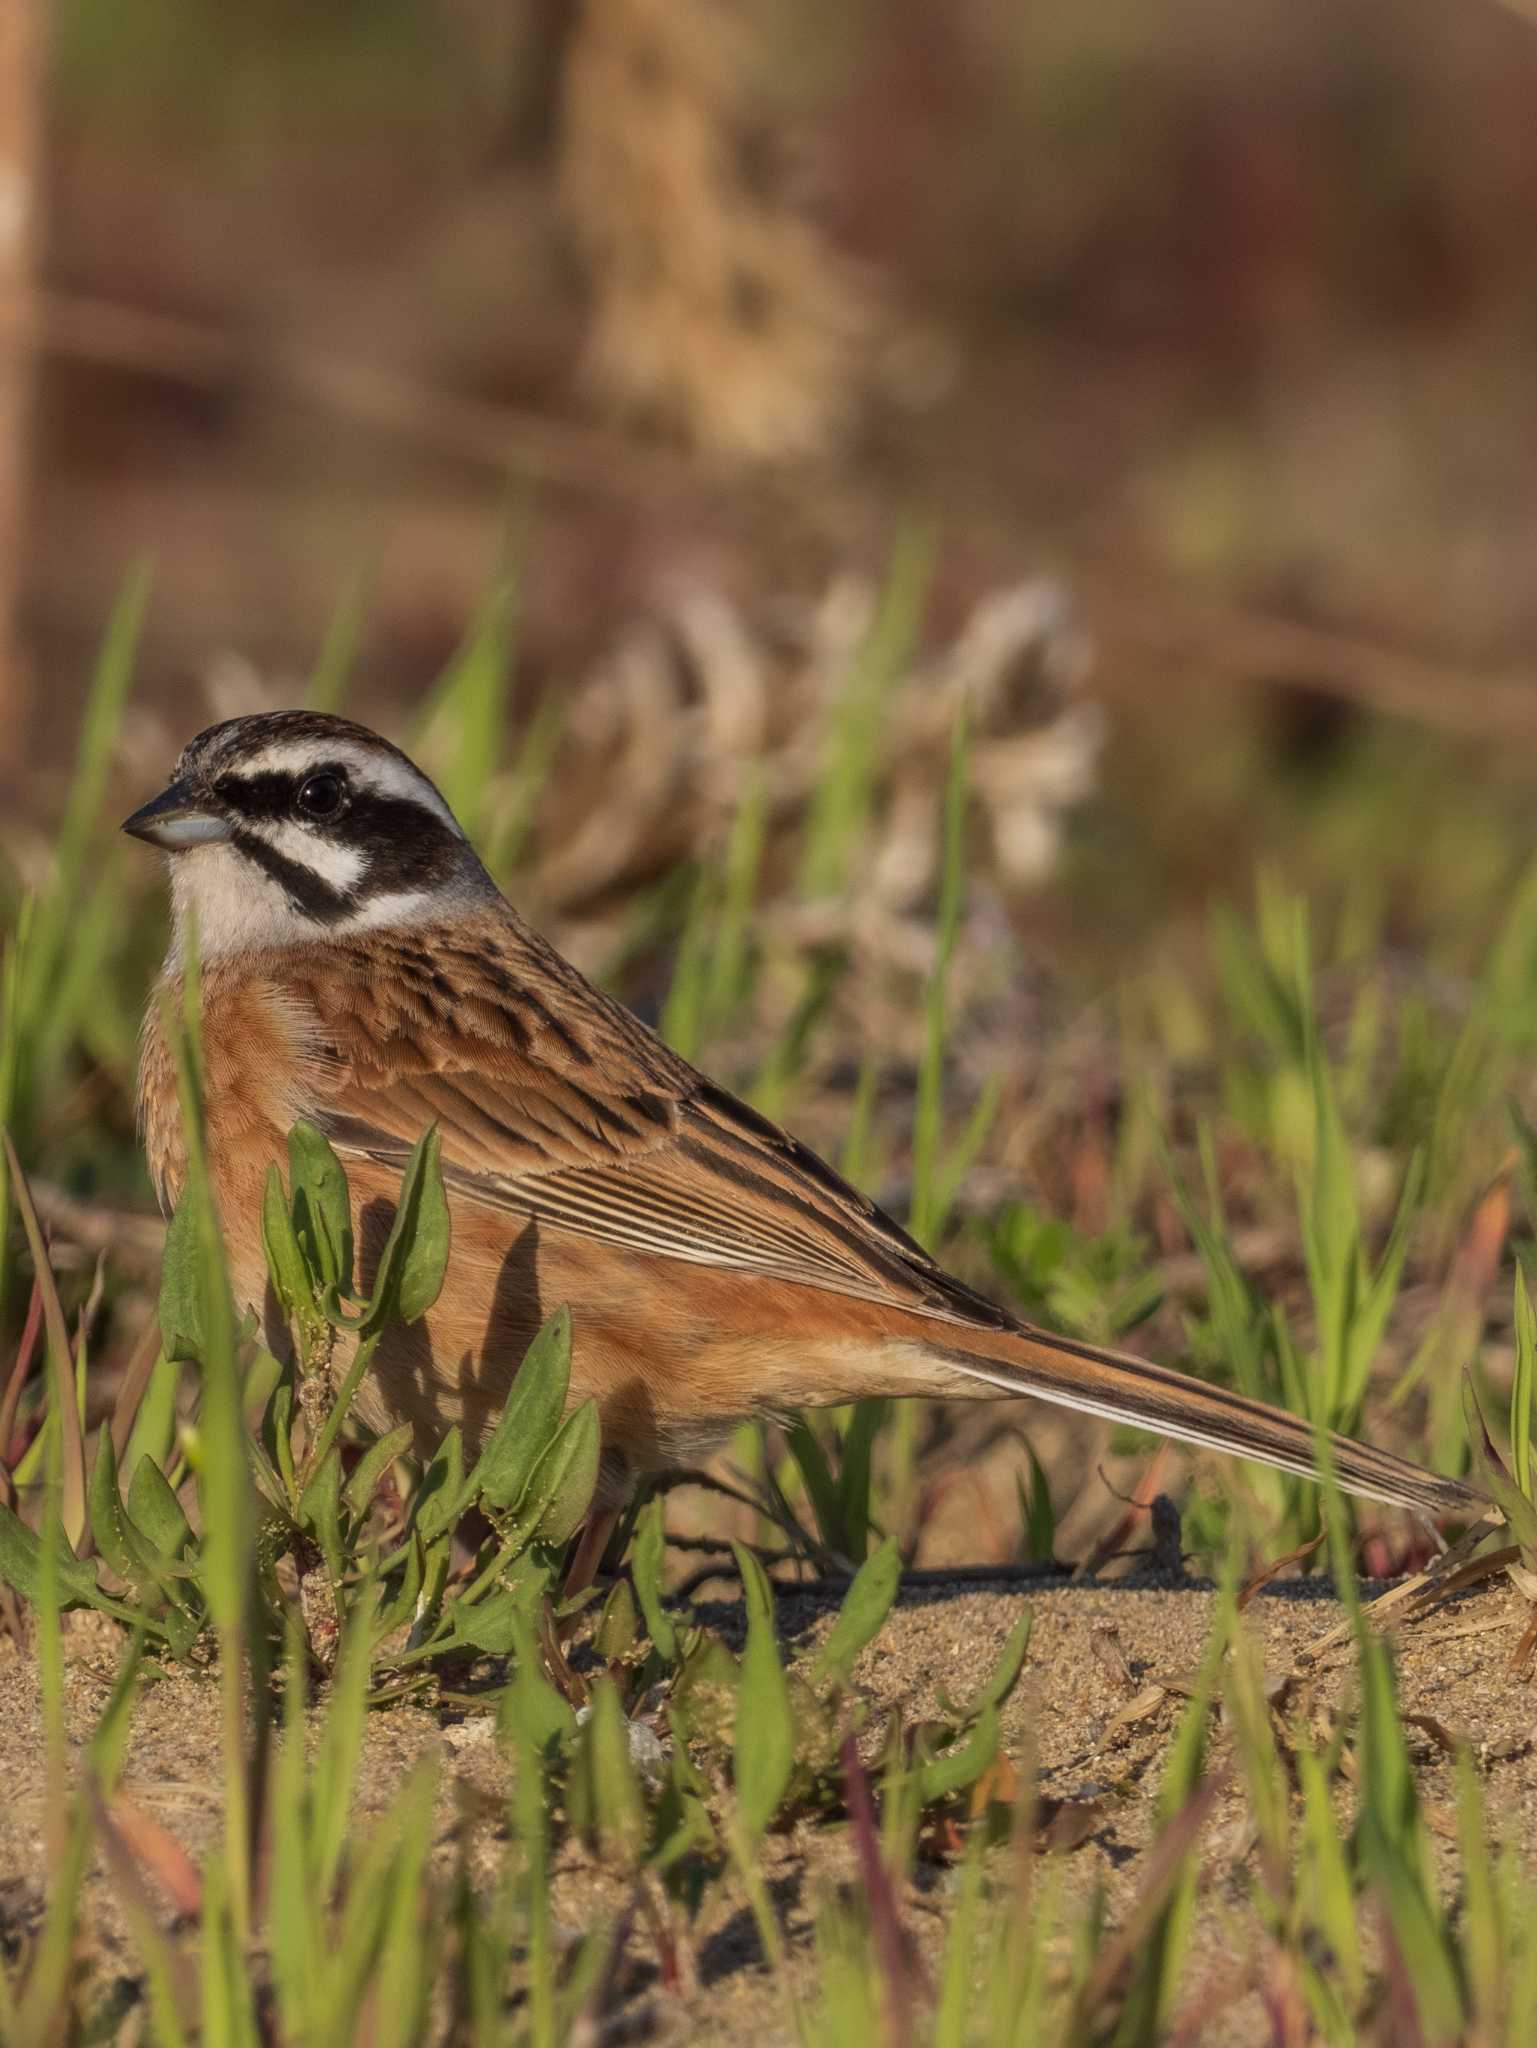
[321,1208]
[537,1716]
[805,1447]
[21,1568]
[363,1480]
[616,1809]
[940,1777]
[869,1419]
[704,1693]
[615,1635]
[294,1284]
[441,1497]
[1518,1511]
[119,1542]
[401,1605]
[156,1510]
[682,1825]
[530,1417]
[182,1331]
[764,1744]
[560,1489]
[489,1624]
[277,1436]
[863,1613]
[320,1511]
[646,1569]
[415,1255]
[1004,1677]
[1037,1516]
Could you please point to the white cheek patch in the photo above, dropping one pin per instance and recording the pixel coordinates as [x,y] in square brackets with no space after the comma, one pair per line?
[340,867]
[398,907]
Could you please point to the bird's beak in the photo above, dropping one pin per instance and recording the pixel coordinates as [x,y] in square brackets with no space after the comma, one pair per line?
[176,820]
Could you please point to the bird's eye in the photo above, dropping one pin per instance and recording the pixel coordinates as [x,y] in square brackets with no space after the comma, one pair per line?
[320,796]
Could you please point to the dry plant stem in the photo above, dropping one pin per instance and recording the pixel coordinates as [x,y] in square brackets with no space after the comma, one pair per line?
[1448,1575]
[583,1569]
[1521,1657]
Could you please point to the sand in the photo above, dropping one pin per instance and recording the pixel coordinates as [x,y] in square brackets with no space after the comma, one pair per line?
[1086,1709]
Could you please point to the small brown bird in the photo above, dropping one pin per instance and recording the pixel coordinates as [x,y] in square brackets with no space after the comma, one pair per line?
[360,969]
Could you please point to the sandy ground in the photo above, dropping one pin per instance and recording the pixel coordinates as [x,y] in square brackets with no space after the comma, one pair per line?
[1084,1707]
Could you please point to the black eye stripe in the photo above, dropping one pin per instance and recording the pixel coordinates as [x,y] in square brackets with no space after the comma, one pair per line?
[274,793]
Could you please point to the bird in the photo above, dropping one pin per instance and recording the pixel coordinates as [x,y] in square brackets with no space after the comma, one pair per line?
[358,967]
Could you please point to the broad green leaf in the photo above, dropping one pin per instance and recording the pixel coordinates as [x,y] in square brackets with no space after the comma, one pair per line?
[530,1417]
[854,1476]
[560,1489]
[277,1436]
[321,1208]
[615,1636]
[156,1510]
[119,1542]
[415,1255]
[401,1605]
[320,1511]
[764,1745]
[291,1278]
[21,1567]
[181,1285]
[863,1613]
[489,1624]
[440,1499]
[1037,1515]
[704,1693]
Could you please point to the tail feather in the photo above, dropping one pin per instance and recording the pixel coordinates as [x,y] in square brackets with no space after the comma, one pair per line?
[1123,1388]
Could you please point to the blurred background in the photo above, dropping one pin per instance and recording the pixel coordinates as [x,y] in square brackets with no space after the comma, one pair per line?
[1221,312]
[668,416]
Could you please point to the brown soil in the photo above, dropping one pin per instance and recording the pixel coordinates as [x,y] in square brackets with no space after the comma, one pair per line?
[1096,1652]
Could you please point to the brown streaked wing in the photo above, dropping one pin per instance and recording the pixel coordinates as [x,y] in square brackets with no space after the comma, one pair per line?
[555,1102]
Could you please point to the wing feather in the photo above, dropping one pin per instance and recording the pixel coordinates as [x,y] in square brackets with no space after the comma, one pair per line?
[558,1103]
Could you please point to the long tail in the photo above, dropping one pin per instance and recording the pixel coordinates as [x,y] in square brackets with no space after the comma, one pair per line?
[1123,1388]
